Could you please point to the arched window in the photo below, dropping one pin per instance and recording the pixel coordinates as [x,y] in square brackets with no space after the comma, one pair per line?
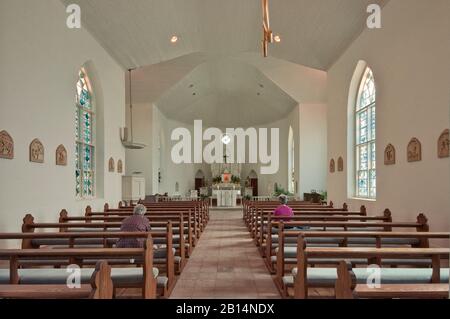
[85,138]
[365,129]
[291,162]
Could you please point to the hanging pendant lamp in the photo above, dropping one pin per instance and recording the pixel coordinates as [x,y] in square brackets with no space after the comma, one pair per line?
[130,144]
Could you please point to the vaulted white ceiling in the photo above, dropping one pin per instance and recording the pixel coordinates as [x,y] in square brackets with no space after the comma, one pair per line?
[216,71]
[239,90]
[240,93]
[314,32]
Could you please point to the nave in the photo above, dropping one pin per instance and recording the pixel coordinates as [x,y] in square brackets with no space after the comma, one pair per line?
[167,149]
[226,263]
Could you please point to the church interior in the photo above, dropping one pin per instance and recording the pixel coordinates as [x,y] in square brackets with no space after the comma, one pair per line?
[211,116]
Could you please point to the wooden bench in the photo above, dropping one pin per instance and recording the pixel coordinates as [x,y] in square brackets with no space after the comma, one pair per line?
[268,234]
[252,213]
[369,239]
[197,216]
[320,232]
[191,227]
[260,216]
[248,205]
[97,235]
[200,208]
[143,277]
[179,226]
[347,288]
[100,287]
[305,277]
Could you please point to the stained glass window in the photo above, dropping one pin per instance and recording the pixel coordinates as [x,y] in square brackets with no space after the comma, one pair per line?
[365,149]
[84,133]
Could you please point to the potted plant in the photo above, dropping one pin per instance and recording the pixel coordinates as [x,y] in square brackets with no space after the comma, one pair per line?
[281,191]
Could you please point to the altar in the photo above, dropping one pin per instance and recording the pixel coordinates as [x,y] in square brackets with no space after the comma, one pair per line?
[226,198]
[226,188]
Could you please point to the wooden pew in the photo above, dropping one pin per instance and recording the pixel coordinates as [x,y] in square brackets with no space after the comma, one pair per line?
[253,212]
[200,208]
[358,234]
[179,226]
[191,226]
[303,279]
[91,231]
[100,287]
[347,288]
[265,241]
[248,205]
[198,216]
[381,239]
[268,239]
[261,216]
[77,256]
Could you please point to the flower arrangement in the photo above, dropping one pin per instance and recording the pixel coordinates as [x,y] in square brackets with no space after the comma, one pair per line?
[235,179]
[217,180]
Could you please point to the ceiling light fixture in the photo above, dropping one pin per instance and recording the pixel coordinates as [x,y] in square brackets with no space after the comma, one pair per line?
[124,137]
[277,38]
[174,39]
[267,32]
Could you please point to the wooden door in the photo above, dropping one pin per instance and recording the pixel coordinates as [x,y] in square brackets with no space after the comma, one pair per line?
[199,183]
[254,185]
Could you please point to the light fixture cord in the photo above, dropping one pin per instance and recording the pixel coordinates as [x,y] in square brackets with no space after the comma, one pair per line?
[131,108]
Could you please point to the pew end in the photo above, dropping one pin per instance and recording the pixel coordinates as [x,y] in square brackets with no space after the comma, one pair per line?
[27,227]
[88,211]
[346,280]
[101,282]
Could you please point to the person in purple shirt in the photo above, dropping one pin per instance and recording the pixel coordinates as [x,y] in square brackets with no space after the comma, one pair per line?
[135,223]
[283,209]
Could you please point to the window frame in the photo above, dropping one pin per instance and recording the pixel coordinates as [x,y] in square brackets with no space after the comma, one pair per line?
[81,144]
[370,139]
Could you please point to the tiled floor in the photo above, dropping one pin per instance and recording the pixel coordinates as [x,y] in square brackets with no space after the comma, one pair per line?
[225,263]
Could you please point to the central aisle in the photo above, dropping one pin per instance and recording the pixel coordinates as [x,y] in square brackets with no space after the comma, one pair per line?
[225,263]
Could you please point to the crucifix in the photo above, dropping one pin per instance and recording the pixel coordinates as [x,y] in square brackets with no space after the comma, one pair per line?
[225,156]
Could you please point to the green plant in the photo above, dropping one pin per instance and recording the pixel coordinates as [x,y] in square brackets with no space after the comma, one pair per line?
[235,179]
[281,191]
[247,197]
[323,194]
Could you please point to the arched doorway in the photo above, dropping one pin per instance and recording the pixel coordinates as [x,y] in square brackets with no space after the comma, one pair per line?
[199,180]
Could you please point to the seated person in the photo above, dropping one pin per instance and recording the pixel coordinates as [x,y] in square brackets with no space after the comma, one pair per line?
[135,223]
[283,209]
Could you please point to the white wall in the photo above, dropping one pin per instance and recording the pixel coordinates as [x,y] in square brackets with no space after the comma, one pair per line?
[313,148]
[40,59]
[141,160]
[409,57]
[308,122]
